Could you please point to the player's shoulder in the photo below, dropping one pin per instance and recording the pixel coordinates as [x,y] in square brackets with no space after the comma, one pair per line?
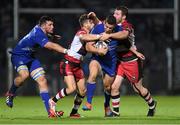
[118,28]
[81,31]
[99,26]
[36,31]
[127,24]
[37,28]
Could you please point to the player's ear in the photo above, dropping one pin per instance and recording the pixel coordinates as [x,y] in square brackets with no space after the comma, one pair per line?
[43,25]
[124,17]
[85,25]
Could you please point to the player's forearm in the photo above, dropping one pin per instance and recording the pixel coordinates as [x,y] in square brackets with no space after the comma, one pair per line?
[90,48]
[90,37]
[56,47]
[120,35]
[96,21]
[59,48]
[132,49]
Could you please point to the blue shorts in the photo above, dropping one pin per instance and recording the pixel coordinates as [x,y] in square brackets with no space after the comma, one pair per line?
[31,63]
[108,66]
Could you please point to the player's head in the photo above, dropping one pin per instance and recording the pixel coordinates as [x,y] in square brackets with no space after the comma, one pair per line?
[46,23]
[86,22]
[120,13]
[109,24]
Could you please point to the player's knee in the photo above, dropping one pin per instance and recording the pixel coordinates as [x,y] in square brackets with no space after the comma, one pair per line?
[24,75]
[42,81]
[107,87]
[114,88]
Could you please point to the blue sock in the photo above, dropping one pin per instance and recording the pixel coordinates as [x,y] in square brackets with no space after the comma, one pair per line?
[107,96]
[45,97]
[13,89]
[90,91]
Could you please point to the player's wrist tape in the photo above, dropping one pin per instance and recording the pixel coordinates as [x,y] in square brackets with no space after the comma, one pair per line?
[98,36]
[65,51]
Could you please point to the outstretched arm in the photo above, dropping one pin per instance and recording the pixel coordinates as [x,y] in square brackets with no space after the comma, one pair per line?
[56,47]
[118,35]
[93,16]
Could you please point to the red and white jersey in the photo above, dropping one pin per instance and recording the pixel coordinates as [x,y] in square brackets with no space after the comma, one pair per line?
[125,44]
[129,27]
[77,49]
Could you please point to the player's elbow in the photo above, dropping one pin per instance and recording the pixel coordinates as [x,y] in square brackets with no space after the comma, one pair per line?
[48,45]
[123,35]
[82,37]
[87,48]
[120,35]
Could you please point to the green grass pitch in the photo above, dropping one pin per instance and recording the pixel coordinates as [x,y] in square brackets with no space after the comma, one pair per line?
[30,110]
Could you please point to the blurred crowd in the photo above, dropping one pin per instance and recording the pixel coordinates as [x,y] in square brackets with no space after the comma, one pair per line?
[154,33]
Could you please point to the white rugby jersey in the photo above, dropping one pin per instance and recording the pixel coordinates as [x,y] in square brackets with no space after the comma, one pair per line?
[77,48]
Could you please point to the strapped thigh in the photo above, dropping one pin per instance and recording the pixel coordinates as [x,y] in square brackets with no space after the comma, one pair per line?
[22,67]
[38,72]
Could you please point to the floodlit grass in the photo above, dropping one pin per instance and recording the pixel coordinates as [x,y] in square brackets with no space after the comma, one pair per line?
[30,110]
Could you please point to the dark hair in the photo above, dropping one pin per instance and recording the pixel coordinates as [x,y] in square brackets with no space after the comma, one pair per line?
[124,10]
[83,18]
[111,20]
[43,20]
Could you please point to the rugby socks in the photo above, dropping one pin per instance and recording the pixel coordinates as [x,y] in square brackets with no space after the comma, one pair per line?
[13,89]
[107,96]
[77,102]
[149,100]
[115,103]
[45,97]
[60,94]
[90,91]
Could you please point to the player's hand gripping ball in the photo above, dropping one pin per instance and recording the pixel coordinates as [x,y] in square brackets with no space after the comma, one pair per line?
[102,47]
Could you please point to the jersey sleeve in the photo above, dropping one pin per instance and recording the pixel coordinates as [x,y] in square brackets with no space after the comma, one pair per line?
[81,32]
[41,39]
[127,26]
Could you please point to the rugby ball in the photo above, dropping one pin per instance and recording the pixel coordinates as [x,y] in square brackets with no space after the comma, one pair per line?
[101,44]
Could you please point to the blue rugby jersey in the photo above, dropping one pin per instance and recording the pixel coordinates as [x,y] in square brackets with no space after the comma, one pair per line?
[26,46]
[108,61]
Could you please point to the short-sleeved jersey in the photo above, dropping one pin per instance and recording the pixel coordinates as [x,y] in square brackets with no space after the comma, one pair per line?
[77,49]
[26,46]
[124,45]
[109,60]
